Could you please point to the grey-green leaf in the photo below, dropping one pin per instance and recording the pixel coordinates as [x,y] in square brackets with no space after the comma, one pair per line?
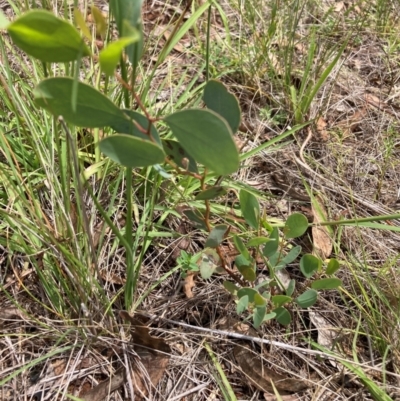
[41,34]
[131,151]
[217,98]
[333,266]
[283,316]
[309,264]
[93,109]
[250,208]
[326,284]
[178,155]
[207,138]
[211,193]
[216,236]
[307,299]
[296,225]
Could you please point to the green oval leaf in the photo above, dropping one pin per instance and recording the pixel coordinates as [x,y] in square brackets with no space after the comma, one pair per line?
[309,264]
[100,21]
[196,217]
[127,126]
[271,247]
[250,208]
[269,316]
[333,266]
[207,138]
[230,287]
[259,315]
[307,299]
[289,258]
[208,263]
[283,316]
[216,236]
[259,300]
[93,109]
[257,241]
[41,34]
[248,273]
[128,18]
[242,304]
[241,247]
[250,292]
[217,98]
[280,300]
[111,55]
[290,288]
[130,151]
[296,225]
[211,193]
[326,284]
[178,155]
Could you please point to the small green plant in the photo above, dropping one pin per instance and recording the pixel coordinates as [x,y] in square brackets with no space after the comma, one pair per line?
[269,298]
[198,145]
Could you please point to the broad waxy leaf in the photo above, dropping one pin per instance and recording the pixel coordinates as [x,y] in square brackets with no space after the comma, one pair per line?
[309,264]
[208,263]
[178,155]
[241,247]
[130,151]
[42,35]
[283,316]
[280,300]
[333,266]
[101,23]
[128,18]
[271,247]
[230,287]
[211,193]
[250,292]
[93,109]
[81,23]
[248,273]
[259,315]
[296,225]
[196,217]
[256,241]
[307,299]
[216,236]
[111,55]
[242,304]
[326,284]
[250,208]
[207,138]
[126,126]
[289,258]
[217,98]
[290,288]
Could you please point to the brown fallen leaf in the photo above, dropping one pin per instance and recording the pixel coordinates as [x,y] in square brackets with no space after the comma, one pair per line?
[141,336]
[189,284]
[322,130]
[106,387]
[146,372]
[321,239]
[261,376]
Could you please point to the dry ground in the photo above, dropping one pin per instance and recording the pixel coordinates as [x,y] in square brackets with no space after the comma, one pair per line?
[350,156]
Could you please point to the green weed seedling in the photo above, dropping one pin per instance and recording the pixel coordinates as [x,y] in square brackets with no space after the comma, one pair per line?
[196,144]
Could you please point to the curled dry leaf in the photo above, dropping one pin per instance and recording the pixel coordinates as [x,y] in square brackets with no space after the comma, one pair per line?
[261,376]
[326,333]
[189,284]
[321,239]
